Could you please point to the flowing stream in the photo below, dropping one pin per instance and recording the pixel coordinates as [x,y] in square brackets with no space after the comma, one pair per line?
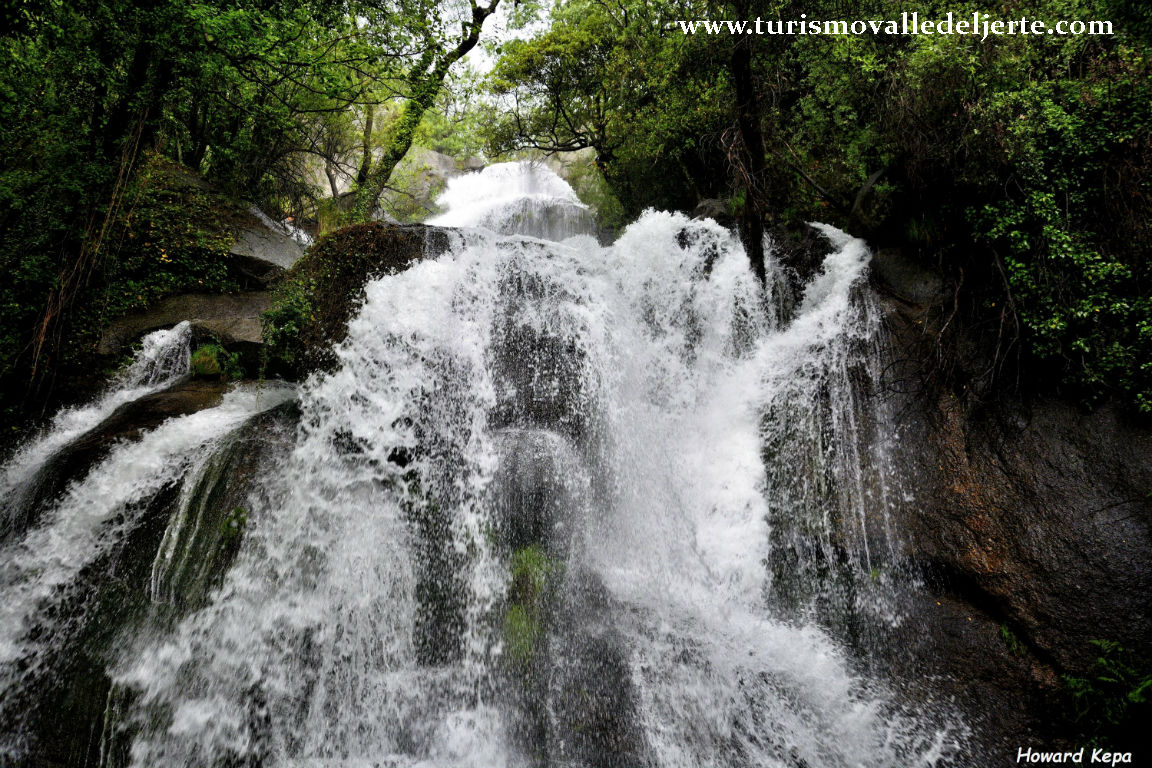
[557,504]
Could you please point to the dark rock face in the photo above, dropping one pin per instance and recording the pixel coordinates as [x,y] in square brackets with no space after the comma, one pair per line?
[901,276]
[572,699]
[1031,521]
[1044,510]
[597,722]
[540,486]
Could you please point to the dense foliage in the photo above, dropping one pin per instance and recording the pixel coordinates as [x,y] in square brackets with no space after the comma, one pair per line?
[1020,165]
[260,99]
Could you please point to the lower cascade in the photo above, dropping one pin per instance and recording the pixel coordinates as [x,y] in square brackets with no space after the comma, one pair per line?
[556,504]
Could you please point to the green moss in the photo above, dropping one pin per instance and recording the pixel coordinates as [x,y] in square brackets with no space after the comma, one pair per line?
[532,570]
[233,525]
[1014,645]
[534,574]
[213,361]
[521,633]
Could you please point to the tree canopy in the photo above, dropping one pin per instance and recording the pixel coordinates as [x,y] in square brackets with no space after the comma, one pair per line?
[1018,164]
[258,98]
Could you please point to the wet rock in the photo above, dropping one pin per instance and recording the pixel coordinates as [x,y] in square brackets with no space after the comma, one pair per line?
[127,422]
[715,209]
[323,291]
[62,704]
[58,704]
[1031,520]
[218,504]
[1043,511]
[596,715]
[898,274]
[572,694]
[540,367]
[596,718]
[540,486]
[801,250]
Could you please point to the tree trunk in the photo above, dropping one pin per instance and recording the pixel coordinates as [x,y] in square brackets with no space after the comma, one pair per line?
[755,167]
[366,148]
[333,182]
[425,85]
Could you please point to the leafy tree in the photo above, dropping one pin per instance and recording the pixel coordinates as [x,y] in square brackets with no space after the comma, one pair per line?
[1018,164]
[437,49]
[260,98]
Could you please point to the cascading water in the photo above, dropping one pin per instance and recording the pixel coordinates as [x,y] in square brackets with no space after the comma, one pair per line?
[163,358]
[556,504]
[516,199]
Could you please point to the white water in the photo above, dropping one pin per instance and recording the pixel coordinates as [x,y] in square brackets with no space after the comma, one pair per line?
[96,511]
[515,199]
[162,360]
[637,411]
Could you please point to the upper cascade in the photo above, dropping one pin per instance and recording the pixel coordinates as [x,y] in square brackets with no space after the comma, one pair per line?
[520,198]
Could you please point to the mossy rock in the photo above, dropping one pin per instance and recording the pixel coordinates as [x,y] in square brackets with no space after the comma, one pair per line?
[534,576]
[522,630]
[320,294]
[212,361]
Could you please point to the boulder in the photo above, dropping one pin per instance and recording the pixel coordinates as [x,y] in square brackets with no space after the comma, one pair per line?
[902,277]
[230,318]
[715,209]
[322,292]
[265,248]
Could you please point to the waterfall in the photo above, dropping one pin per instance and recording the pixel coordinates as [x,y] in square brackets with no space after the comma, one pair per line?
[47,576]
[557,503]
[515,199]
[163,358]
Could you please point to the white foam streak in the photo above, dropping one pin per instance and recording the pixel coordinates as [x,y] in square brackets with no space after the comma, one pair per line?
[162,360]
[96,510]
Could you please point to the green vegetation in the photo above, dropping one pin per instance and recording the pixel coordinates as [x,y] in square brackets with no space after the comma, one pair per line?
[103,103]
[233,525]
[534,573]
[1113,704]
[521,633]
[213,361]
[285,323]
[313,304]
[1019,166]
[1013,643]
